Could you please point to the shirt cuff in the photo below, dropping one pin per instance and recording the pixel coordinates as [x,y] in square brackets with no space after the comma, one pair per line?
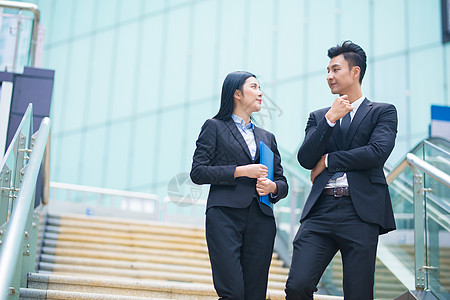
[329,122]
[326,160]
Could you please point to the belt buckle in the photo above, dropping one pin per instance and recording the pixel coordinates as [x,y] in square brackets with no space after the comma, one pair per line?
[338,192]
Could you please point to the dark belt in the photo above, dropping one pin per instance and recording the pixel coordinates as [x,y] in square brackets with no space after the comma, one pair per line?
[337,192]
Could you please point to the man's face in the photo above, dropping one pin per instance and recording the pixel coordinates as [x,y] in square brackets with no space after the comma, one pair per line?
[341,79]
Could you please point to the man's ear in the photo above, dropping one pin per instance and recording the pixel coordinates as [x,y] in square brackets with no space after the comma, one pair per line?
[356,71]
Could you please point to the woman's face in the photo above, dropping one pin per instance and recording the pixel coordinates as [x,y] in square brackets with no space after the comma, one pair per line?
[250,98]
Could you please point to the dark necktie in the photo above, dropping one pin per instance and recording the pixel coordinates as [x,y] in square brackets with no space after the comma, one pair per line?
[345,124]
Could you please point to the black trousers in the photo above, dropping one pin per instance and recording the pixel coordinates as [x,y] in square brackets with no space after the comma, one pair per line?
[240,244]
[333,225]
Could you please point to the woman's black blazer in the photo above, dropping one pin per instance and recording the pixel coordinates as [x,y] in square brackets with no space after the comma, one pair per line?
[220,148]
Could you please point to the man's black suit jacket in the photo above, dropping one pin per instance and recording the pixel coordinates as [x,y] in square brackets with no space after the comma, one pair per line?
[220,148]
[370,140]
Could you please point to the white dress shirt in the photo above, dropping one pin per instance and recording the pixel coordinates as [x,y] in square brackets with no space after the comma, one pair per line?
[342,181]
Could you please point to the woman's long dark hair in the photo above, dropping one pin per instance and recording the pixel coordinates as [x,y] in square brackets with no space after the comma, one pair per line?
[234,81]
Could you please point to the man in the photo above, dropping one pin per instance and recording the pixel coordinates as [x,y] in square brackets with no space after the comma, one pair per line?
[345,147]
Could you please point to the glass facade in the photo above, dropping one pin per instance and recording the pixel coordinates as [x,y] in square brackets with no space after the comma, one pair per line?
[136,79]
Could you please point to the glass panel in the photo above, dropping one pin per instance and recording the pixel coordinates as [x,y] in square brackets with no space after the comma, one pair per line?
[61,25]
[387,14]
[230,33]
[124,81]
[116,155]
[76,70]
[154,6]
[130,10]
[101,70]
[149,81]
[85,15]
[107,14]
[438,237]
[322,33]
[175,58]
[424,33]
[203,53]
[259,45]
[290,31]
[142,165]
[423,86]
[386,71]
[438,219]
[437,156]
[346,10]
[14,160]
[15,39]
[91,156]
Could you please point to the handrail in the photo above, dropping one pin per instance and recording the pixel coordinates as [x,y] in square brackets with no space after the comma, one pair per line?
[425,167]
[418,166]
[15,234]
[402,166]
[28,111]
[33,8]
[98,190]
[428,169]
[430,141]
[46,172]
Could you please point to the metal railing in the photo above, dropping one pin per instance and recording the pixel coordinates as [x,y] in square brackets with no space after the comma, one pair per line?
[32,49]
[19,225]
[102,201]
[431,214]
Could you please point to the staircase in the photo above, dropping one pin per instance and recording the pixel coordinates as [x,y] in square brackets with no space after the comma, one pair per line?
[87,257]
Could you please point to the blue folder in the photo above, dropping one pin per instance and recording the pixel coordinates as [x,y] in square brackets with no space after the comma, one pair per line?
[266,158]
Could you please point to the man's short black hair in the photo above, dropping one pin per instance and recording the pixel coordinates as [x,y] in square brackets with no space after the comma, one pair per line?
[353,54]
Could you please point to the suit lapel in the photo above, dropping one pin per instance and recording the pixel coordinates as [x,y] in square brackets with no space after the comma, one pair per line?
[362,111]
[238,136]
[258,137]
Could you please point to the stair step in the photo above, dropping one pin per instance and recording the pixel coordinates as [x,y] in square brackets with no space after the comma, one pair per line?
[112,255]
[136,269]
[89,286]
[275,281]
[50,260]
[137,259]
[126,242]
[122,235]
[112,242]
[142,228]
[132,250]
[135,250]
[126,222]
[29,294]
[113,286]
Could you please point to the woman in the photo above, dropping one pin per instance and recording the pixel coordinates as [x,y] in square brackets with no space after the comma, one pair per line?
[240,230]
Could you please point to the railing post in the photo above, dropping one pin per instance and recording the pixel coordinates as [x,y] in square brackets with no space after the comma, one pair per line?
[29,245]
[20,148]
[419,229]
[5,185]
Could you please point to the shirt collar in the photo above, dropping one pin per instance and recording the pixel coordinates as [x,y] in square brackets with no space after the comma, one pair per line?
[357,103]
[238,120]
